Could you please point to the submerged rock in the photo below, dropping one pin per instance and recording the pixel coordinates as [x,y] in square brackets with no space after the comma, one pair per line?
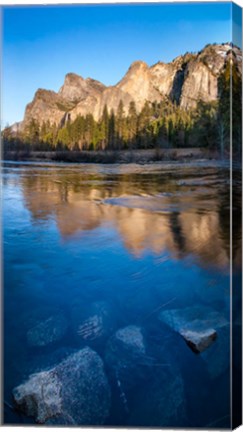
[125,355]
[74,392]
[161,403]
[94,324]
[197,325]
[47,331]
[131,338]
[198,340]
[217,357]
[125,343]
[40,396]
[44,361]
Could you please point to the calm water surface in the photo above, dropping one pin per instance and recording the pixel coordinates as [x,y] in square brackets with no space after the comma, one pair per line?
[140,238]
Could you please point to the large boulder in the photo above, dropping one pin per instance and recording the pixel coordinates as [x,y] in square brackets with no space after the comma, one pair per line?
[42,361]
[125,356]
[48,331]
[130,338]
[217,357]
[161,402]
[197,325]
[74,392]
[40,396]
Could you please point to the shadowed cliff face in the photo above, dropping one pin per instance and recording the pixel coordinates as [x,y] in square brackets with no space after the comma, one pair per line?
[187,79]
[183,215]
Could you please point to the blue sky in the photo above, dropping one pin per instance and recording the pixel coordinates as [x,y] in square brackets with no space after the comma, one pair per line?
[43,43]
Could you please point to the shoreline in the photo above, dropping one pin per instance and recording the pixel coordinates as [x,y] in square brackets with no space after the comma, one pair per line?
[113,156]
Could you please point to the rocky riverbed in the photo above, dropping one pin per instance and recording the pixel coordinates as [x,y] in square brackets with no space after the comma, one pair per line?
[76,388]
[117,294]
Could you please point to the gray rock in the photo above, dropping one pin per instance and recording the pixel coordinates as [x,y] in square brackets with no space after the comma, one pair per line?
[40,362]
[161,403]
[217,357]
[197,325]
[48,331]
[125,356]
[132,338]
[74,392]
[40,396]
[95,323]
[198,340]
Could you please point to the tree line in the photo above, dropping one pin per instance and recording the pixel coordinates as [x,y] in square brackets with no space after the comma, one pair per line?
[158,125]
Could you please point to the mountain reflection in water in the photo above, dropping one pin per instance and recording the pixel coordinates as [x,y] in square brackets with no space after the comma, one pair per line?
[132,240]
[181,212]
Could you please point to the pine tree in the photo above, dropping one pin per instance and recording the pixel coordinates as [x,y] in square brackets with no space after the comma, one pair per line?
[112,131]
[132,124]
[120,124]
[143,122]
[104,128]
[33,131]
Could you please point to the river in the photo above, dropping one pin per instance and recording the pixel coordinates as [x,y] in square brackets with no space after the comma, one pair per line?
[142,239]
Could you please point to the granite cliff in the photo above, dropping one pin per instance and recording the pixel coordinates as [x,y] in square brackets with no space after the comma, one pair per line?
[187,79]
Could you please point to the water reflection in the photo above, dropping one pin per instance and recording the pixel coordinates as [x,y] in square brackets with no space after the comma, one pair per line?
[183,214]
[138,239]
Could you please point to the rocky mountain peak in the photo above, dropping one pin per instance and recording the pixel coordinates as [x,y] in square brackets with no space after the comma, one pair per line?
[214,56]
[137,84]
[44,95]
[137,69]
[76,88]
[72,77]
[138,64]
[73,88]
[185,80]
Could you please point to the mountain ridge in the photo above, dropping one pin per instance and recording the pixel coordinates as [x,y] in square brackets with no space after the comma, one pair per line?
[185,80]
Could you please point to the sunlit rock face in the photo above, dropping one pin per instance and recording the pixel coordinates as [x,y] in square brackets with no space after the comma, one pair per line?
[180,224]
[200,84]
[187,79]
[111,97]
[46,106]
[138,84]
[201,75]
[163,75]
[85,94]
[76,88]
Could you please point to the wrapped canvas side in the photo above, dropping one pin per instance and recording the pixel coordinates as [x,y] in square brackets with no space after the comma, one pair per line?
[236,256]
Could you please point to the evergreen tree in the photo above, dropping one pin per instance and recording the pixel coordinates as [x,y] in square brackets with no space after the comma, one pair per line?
[112,131]
[104,128]
[33,131]
[120,123]
[132,124]
[143,122]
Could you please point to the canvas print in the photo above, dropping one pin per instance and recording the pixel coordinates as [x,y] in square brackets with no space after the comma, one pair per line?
[121,140]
